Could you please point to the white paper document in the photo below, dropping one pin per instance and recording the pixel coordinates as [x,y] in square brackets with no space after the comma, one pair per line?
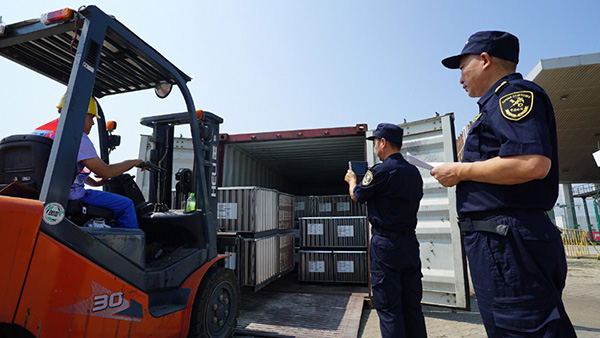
[420,163]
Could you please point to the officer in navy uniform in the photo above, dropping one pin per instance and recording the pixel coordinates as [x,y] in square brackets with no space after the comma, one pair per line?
[506,182]
[393,191]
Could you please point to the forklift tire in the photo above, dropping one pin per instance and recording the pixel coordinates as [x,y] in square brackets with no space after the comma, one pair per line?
[215,309]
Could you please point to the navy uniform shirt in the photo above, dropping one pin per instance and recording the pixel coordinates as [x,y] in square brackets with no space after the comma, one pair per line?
[516,118]
[393,190]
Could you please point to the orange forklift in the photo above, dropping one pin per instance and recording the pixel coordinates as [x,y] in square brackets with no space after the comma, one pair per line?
[63,279]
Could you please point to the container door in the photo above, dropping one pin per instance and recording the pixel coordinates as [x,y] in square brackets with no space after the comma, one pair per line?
[443,259]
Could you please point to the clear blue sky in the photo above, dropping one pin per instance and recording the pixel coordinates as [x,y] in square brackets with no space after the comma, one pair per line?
[284,65]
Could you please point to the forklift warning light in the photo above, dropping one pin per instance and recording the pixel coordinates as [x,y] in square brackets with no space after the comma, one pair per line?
[56,16]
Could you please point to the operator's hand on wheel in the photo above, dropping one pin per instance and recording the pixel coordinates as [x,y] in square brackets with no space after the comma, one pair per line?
[150,166]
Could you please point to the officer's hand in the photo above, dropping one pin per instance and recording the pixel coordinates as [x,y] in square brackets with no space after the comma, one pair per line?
[350,177]
[446,174]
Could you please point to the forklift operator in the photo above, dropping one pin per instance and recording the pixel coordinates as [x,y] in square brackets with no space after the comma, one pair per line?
[87,162]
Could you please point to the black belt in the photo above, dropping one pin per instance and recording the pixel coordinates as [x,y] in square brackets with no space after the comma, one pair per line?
[478,222]
[392,234]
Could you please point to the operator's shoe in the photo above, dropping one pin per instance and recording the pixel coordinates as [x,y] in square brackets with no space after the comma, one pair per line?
[96,223]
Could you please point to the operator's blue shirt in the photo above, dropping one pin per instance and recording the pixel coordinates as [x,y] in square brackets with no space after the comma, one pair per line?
[393,190]
[516,118]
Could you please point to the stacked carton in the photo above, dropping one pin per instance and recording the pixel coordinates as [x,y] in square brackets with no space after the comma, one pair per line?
[258,221]
[332,239]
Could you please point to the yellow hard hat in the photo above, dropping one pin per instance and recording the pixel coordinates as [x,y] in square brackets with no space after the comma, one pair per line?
[92,108]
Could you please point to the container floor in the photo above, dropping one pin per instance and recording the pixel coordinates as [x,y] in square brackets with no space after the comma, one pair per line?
[288,308]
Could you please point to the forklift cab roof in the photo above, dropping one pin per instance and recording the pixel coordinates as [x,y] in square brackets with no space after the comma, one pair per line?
[93,54]
[126,63]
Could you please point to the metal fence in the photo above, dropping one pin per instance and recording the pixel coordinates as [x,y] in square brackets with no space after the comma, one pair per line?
[577,244]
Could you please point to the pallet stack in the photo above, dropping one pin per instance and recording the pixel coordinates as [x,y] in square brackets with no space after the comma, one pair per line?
[332,239]
[257,225]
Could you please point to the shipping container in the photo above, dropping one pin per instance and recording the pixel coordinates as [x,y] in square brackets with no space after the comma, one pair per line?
[333,232]
[247,209]
[308,163]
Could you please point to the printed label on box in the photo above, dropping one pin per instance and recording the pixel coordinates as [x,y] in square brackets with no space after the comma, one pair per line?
[316,266]
[345,266]
[299,206]
[345,231]
[314,229]
[324,207]
[343,206]
[230,261]
[227,211]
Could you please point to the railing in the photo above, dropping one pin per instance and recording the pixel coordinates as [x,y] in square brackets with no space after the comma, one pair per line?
[577,243]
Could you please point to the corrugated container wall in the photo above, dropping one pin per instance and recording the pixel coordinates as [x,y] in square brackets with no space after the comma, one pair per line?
[241,169]
[298,162]
[247,209]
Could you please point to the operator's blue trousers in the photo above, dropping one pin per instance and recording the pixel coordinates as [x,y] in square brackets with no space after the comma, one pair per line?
[519,278]
[122,207]
[397,288]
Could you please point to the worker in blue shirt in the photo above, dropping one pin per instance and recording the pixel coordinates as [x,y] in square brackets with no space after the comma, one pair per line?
[393,191]
[506,182]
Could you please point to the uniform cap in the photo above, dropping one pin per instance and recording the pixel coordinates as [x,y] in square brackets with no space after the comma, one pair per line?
[92,108]
[496,43]
[388,131]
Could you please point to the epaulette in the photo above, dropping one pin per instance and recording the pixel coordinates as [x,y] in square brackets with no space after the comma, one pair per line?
[502,85]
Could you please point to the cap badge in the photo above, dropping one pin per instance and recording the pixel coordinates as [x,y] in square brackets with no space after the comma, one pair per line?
[517,105]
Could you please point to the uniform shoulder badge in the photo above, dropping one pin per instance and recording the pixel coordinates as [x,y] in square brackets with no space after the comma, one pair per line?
[368,178]
[517,105]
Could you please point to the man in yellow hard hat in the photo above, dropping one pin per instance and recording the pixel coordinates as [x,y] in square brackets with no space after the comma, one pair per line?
[88,161]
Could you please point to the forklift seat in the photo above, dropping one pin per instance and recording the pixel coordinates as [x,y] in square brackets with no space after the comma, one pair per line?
[24,158]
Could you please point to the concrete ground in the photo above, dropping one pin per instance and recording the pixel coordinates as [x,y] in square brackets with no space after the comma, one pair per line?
[287,308]
[581,297]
